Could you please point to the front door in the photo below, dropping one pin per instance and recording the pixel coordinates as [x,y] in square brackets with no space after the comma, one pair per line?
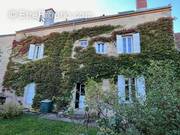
[80,96]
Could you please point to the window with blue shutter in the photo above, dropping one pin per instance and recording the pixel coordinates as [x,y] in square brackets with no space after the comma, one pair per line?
[128,44]
[101,48]
[130,89]
[84,43]
[36,51]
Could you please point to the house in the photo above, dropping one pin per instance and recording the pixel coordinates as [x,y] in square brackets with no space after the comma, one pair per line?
[123,39]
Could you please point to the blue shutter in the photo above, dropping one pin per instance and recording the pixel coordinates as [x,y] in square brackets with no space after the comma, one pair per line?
[121,88]
[136,43]
[140,89]
[29,94]
[105,48]
[96,47]
[119,42]
[81,102]
[41,51]
[31,51]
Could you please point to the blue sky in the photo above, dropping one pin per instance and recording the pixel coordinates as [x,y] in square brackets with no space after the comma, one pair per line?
[114,6]
[11,24]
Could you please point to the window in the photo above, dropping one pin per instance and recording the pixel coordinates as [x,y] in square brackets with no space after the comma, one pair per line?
[101,48]
[128,44]
[83,43]
[130,89]
[36,51]
[80,96]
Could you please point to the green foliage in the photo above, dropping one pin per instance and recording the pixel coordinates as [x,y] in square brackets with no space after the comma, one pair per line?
[160,113]
[33,125]
[57,74]
[10,110]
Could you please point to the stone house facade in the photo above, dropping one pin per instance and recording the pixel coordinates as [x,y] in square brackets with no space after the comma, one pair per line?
[131,41]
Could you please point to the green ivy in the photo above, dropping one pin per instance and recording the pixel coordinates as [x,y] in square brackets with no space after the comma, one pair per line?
[57,74]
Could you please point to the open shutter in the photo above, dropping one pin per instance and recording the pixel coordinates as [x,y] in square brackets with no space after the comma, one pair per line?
[140,89]
[41,51]
[31,51]
[96,47]
[121,88]
[29,94]
[105,48]
[136,43]
[81,102]
[119,42]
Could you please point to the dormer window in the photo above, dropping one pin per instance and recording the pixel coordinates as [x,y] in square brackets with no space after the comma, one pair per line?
[101,48]
[128,44]
[36,51]
[84,43]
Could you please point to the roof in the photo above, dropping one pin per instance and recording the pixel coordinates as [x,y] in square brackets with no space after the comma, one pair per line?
[177,38]
[100,18]
[7,35]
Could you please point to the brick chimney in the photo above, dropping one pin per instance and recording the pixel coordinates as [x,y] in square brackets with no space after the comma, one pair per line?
[141,4]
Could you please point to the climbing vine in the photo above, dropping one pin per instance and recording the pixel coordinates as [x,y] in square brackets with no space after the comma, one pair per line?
[56,74]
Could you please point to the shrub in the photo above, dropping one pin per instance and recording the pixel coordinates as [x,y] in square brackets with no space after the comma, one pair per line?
[10,110]
[159,115]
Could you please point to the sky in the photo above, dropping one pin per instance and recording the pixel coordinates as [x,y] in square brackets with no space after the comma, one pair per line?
[21,14]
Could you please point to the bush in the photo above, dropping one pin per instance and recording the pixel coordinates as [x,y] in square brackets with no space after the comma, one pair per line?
[10,110]
[159,115]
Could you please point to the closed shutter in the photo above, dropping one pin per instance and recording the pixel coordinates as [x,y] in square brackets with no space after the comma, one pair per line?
[119,42]
[136,43]
[140,89]
[41,51]
[121,88]
[31,51]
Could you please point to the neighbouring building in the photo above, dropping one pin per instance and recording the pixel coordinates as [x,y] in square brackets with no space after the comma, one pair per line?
[128,43]
[177,39]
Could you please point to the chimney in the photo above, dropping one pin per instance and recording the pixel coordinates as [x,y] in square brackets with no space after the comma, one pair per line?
[49,17]
[141,4]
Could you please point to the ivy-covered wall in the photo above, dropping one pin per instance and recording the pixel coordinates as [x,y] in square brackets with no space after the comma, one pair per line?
[57,74]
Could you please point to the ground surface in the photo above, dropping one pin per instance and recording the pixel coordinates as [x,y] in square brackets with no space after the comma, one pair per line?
[33,125]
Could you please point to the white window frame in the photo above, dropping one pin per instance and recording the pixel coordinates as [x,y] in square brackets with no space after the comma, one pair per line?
[129,90]
[37,52]
[101,48]
[128,46]
[84,43]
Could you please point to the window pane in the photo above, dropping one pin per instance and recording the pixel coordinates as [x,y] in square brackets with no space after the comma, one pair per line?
[124,44]
[102,48]
[84,43]
[129,44]
[133,89]
[99,48]
[127,89]
[38,52]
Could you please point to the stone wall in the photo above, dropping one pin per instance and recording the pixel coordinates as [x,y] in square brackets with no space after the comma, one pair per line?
[5,48]
[125,21]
